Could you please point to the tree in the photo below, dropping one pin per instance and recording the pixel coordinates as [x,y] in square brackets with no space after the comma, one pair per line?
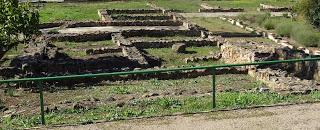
[310,10]
[18,21]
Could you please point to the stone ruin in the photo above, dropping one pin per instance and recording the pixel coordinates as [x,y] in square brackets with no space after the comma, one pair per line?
[270,8]
[207,8]
[45,59]
[294,77]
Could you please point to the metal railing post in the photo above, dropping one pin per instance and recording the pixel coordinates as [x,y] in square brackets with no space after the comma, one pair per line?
[40,87]
[213,72]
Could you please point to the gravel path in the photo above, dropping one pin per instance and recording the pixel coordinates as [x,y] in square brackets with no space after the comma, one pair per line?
[305,116]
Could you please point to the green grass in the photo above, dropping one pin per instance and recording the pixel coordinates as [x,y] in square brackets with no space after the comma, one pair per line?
[173,59]
[83,11]
[77,49]
[194,5]
[249,5]
[160,106]
[217,25]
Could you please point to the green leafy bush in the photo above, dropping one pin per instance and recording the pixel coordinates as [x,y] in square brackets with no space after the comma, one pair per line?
[269,24]
[306,37]
[285,29]
[310,10]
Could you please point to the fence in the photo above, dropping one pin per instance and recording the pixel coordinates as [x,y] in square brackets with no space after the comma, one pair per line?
[213,68]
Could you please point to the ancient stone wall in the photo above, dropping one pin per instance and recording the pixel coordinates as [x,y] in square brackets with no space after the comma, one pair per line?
[206,8]
[248,52]
[270,8]
[76,37]
[146,17]
[160,33]
[131,11]
[169,43]
[123,23]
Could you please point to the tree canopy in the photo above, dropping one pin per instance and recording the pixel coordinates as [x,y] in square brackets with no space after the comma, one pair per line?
[17,20]
[310,10]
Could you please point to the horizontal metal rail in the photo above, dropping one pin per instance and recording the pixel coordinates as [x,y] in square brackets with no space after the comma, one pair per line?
[152,71]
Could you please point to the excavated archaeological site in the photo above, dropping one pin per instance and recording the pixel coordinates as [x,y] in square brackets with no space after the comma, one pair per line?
[134,31]
[154,38]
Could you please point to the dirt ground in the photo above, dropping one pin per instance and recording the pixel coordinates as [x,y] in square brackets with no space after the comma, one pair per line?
[304,116]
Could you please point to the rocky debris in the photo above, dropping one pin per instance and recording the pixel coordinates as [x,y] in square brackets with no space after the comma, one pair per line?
[279,81]
[134,54]
[179,48]
[103,50]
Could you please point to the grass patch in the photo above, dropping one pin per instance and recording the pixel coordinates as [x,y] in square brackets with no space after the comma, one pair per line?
[77,49]
[249,5]
[84,10]
[173,59]
[194,5]
[217,25]
[159,106]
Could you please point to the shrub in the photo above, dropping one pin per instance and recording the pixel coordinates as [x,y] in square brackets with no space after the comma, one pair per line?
[306,37]
[285,29]
[269,24]
[310,10]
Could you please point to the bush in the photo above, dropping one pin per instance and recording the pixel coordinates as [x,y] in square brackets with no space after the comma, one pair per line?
[306,37]
[285,29]
[310,10]
[269,24]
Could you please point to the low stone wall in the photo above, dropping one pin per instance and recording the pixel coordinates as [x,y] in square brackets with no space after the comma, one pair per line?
[123,23]
[76,37]
[134,54]
[160,76]
[207,8]
[160,33]
[43,67]
[169,43]
[51,25]
[249,52]
[146,17]
[270,8]
[228,34]
[131,11]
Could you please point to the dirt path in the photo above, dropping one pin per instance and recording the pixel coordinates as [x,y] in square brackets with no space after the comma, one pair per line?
[306,116]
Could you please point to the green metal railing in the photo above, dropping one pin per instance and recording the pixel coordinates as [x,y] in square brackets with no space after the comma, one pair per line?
[213,68]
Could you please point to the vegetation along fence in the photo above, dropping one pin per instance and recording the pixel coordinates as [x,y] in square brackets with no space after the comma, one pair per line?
[39,81]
